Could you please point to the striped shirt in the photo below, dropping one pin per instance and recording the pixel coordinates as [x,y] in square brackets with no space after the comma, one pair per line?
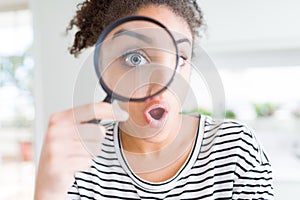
[226,162]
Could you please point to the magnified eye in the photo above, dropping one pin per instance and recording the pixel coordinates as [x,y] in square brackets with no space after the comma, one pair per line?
[182,60]
[134,59]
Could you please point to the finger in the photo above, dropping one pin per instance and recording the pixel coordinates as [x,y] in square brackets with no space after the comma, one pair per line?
[93,148]
[80,132]
[72,138]
[91,137]
[88,112]
[73,165]
[101,110]
[61,132]
[78,164]
[90,132]
[65,149]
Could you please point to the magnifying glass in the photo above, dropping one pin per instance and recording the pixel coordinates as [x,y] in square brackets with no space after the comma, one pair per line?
[135,58]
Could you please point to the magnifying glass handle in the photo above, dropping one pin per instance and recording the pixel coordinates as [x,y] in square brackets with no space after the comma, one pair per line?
[107,99]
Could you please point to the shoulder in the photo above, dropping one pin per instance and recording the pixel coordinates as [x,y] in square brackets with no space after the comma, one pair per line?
[234,139]
[239,147]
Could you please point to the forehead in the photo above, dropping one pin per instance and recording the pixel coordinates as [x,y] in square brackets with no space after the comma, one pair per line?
[176,24]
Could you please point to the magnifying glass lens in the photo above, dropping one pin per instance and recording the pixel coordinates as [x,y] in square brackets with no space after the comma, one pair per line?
[136,60]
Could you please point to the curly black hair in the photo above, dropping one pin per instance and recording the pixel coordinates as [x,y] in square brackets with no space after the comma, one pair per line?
[93,16]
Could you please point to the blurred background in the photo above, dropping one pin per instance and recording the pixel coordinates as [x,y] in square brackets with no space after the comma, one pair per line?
[255,46]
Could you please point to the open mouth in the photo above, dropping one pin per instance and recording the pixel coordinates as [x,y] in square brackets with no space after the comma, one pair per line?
[156,115]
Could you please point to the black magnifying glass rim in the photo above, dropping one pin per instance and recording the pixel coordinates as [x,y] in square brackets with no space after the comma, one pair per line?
[112,95]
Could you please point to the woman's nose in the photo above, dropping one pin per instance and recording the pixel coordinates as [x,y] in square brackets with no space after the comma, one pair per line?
[159,79]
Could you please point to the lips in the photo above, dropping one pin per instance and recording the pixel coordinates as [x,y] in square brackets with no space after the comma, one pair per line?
[156,114]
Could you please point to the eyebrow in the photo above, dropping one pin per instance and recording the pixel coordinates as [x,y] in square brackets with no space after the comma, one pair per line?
[142,37]
[182,40]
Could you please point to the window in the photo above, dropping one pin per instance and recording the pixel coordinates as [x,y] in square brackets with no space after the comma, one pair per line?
[16,105]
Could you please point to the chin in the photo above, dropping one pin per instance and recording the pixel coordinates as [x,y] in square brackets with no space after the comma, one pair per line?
[147,132]
[163,134]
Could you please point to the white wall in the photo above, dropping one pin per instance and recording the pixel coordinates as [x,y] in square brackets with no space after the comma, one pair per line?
[252,32]
[55,69]
[256,24]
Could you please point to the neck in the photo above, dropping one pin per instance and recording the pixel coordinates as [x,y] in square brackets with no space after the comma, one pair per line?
[146,157]
[147,145]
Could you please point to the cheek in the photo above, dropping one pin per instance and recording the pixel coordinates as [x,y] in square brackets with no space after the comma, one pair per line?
[130,107]
[123,105]
[135,111]
[181,83]
[185,72]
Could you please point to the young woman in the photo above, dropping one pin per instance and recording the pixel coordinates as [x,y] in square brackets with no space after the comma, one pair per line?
[175,157]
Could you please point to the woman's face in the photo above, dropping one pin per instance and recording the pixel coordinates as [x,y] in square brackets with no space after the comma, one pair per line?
[156,118]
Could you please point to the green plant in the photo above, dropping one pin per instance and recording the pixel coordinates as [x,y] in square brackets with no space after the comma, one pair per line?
[198,111]
[230,114]
[265,109]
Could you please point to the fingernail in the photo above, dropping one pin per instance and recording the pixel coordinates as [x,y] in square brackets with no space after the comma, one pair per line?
[119,114]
